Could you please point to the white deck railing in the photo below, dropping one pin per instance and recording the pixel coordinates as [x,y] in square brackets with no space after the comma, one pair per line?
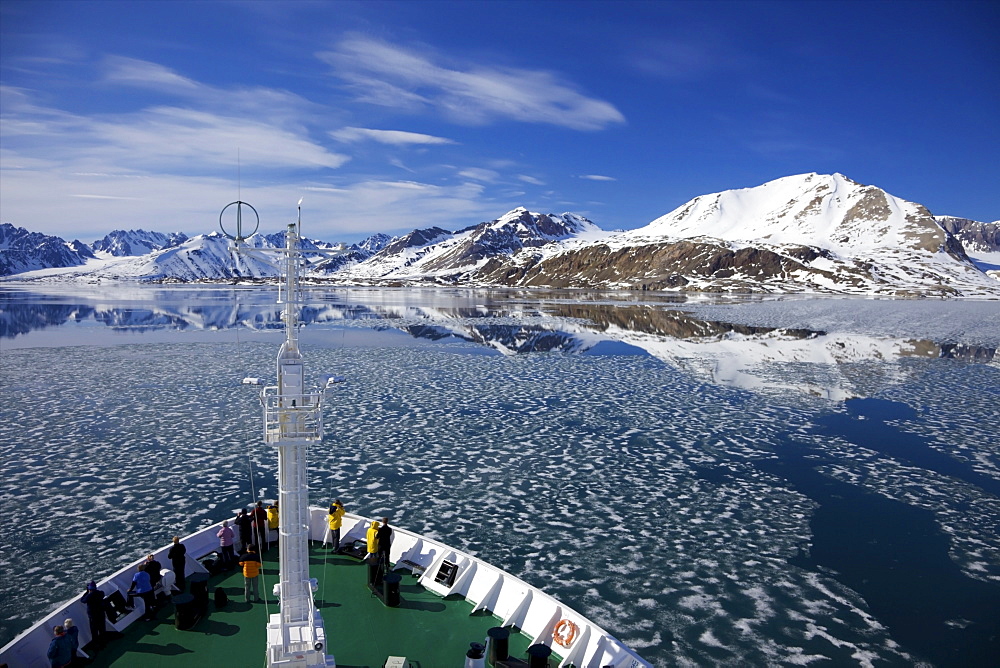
[513,601]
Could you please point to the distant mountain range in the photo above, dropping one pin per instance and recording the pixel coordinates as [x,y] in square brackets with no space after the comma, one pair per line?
[808,233]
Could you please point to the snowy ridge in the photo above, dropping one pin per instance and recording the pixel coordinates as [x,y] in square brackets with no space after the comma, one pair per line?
[829,211]
[437,252]
[809,233]
[136,242]
[22,251]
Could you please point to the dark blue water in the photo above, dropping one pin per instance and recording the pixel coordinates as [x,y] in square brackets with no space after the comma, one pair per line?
[894,555]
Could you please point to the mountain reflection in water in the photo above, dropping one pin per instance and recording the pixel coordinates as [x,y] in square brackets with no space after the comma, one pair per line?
[730,354]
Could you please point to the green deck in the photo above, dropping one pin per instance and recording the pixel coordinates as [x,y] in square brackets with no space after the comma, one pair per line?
[428,630]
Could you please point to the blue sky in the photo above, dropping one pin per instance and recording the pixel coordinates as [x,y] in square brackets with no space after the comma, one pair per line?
[388,116]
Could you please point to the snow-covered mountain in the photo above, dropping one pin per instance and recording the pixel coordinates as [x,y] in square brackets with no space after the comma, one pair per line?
[21,251]
[375,243]
[207,257]
[455,257]
[122,243]
[976,237]
[825,210]
[798,234]
[805,233]
[980,240]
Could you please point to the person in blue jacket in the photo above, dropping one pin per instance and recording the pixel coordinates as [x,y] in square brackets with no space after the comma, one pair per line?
[73,633]
[143,588]
[60,652]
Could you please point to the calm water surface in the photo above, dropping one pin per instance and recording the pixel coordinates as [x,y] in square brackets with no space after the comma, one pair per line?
[737,482]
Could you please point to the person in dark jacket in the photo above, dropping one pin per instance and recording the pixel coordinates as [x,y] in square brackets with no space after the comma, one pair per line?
[384,535]
[96,614]
[260,527]
[178,561]
[153,568]
[73,633]
[60,652]
[243,521]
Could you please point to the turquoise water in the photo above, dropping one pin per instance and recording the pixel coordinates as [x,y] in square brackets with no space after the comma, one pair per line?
[709,493]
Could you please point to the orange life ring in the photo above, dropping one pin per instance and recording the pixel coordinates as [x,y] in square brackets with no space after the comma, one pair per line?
[565,632]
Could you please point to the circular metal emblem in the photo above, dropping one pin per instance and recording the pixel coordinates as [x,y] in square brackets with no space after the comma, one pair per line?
[238,222]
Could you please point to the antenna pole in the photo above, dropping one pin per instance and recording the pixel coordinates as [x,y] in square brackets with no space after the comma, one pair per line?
[293,418]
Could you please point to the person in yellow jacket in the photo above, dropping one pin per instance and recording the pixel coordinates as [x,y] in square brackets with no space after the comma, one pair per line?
[372,540]
[272,521]
[336,518]
[251,571]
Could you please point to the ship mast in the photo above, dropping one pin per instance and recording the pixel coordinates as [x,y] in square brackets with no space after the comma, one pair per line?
[293,419]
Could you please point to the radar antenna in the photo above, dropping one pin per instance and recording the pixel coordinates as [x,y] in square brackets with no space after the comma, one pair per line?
[239,237]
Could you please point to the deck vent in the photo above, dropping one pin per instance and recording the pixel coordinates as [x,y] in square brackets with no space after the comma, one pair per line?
[446,573]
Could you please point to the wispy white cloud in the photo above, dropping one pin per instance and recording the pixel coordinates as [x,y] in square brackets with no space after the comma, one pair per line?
[171,137]
[393,137]
[84,196]
[146,74]
[530,179]
[393,207]
[389,75]
[694,56]
[171,164]
[274,106]
[172,168]
[396,162]
[479,174]
[156,139]
[597,177]
[88,207]
[159,138]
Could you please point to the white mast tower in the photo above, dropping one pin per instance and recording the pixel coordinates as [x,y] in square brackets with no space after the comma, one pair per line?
[293,418]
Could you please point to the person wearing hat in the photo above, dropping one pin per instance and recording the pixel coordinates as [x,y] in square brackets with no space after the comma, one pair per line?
[93,598]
